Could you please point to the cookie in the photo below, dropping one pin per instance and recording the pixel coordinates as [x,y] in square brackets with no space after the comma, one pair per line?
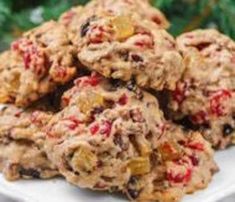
[36,64]
[71,18]
[112,136]
[21,144]
[127,47]
[205,97]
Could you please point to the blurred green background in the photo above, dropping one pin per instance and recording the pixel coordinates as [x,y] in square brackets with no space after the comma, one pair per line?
[16,16]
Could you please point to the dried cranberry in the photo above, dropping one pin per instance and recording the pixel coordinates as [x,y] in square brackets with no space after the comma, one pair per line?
[123,100]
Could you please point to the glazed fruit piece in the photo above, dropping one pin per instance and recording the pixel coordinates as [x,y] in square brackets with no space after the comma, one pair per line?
[36,64]
[205,97]
[126,47]
[21,143]
[111,136]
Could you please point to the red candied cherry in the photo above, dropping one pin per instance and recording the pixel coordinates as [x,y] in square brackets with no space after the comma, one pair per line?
[180,92]
[94,128]
[175,176]
[196,146]
[92,80]
[144,41]
[98,34]
[200,117]
[73,122]
[123,100]
[105,128]
[34,58]
[217,102]
[20,45]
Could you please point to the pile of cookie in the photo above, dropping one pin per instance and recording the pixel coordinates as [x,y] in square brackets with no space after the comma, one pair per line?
[109,100]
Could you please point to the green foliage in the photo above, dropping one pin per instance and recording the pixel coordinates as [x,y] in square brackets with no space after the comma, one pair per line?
[184,15]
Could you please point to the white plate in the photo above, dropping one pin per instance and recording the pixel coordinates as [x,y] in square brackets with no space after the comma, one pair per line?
[58,190]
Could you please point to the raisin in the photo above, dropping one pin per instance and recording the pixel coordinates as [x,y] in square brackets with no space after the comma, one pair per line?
[137,58]
[116,83]
[227,129]
[133,180]
[195,160]
[133,193]
[203,45]
[29,172]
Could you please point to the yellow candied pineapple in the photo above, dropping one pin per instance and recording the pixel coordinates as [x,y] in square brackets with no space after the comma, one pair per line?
[90,101]
[170,150]
[145,149]
[139,165]
[84,160]
[123,26]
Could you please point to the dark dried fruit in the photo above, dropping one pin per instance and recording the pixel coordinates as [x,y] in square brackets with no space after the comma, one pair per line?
[131,85]
[227,129]
[85,26]
[29,172]
[136,58]
[133,193]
